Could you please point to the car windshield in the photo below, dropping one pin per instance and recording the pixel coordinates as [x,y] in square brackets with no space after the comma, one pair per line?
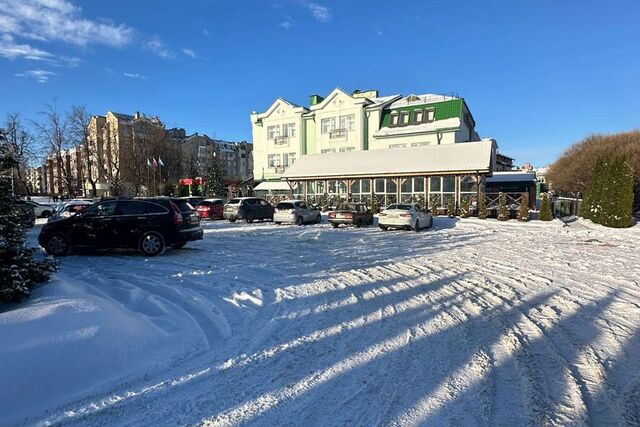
[184,206]
[400,207]
[284,206]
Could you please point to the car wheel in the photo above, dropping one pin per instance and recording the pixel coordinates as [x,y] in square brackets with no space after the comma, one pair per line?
[151,244]
[249,218]
[57,245]
[299,221]
[178,245]
[334,225]
[45,214]
[383,227]
[319,219]
[416,227]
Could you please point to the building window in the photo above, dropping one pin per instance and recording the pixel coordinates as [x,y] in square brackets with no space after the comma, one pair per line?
[273,131]
[327,150]
[273,160]
[418,116]
[347,149]
[397,145]
[430,115]
[328,125]
[404,118]
[203,151]
[288,159]
[289,129]
[393,119]
[347,122]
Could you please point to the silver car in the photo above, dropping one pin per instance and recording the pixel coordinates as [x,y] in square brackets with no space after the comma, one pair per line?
[405,215]
[296,212]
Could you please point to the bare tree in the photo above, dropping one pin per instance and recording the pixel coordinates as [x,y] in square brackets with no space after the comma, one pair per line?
[53,132]
[78,120]
[21,145]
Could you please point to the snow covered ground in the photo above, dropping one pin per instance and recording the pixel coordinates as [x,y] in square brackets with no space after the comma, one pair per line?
[472,323]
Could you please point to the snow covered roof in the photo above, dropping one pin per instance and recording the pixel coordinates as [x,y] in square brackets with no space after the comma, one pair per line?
[381,100]
[426,98]
[272,186]
[449,158]
[513,176]
[453,122]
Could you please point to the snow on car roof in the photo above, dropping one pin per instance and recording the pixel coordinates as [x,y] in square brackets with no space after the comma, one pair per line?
[462,157]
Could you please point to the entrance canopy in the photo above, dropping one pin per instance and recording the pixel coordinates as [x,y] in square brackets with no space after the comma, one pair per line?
[465,157]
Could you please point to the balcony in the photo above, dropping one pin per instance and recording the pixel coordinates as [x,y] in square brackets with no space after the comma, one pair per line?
[281,140]
[338,134]
[280,169]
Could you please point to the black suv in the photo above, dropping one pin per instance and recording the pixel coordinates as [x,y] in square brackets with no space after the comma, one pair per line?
[146,224]
[248,208]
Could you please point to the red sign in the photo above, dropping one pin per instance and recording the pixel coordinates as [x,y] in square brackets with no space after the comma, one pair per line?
[186,181]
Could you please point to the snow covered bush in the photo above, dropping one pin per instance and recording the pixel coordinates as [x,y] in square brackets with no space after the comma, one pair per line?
[523,210]
[374,204]
[608,199]
[503,210]
[19,271]
[465,207]
[451,208]
[482,207]
[433,205]
[545,208]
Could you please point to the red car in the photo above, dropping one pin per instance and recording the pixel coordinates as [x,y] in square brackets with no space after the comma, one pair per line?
[210,209]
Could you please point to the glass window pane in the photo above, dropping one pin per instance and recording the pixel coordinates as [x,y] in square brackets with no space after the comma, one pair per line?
[468,184]
[380,185]
[449,184]
[418,185]
[435,184]
[320,187]
[355,187]
[365,186]
[406,186]
[391,186]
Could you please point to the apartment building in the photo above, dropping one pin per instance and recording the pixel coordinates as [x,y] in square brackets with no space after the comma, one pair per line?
[358,121]
[235,159]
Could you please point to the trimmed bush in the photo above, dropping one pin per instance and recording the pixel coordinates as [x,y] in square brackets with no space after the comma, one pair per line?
[523,210]
[451,208]
[545,208]
[608,199]
[503,210]
[482,207]
[465,207]
[433,205]
[374,204]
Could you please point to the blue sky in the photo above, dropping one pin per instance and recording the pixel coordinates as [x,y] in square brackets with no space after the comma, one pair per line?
[537,75]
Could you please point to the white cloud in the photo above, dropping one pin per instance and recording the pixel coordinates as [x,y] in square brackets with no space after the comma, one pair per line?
[10,49]
[205,32]
[320,12]
[379,32]
[285,24]
[158,47]
[135,76]
[41,76]
[59,20]
[189,52]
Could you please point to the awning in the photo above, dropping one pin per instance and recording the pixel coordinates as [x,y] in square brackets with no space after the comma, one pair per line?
[272,186]
[463,157]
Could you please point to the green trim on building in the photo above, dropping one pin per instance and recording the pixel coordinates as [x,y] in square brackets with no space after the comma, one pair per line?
[309,135]
[443,110]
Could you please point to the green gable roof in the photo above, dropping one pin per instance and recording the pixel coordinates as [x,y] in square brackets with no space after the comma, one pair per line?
[443,110]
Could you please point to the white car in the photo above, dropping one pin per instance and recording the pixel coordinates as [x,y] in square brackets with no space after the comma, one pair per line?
[296,212]
[405,215]
[41,210]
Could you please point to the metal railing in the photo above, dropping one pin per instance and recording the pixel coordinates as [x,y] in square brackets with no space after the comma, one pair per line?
[280,169]
[338,134]
[281,140]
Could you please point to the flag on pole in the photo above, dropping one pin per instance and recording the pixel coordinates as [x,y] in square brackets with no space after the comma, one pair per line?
[155,164]
[148,162]
[160,161]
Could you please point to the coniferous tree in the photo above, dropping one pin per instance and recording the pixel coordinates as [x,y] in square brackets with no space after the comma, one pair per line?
[374,204]
[523,210]
[545,208]
[591,202]
[214,186]
[433,205]
[451,208]
[503,210]
[465,207]
[19,271]
[609,196]
[169,189]
[482,207]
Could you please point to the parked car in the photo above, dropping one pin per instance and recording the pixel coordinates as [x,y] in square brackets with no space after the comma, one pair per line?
[296,211]
[193,200]
[357,214]
[146,224]
[67,209]
[41,210]
[409,216]
[248,208]
[210,209]
[28,216]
